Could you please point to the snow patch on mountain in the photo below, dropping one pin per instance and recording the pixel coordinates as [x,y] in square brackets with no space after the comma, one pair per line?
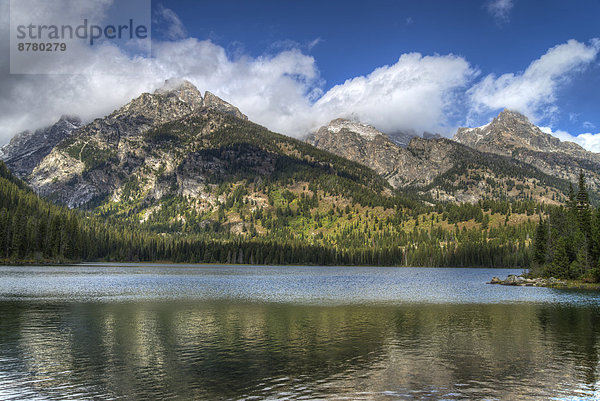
[366,131]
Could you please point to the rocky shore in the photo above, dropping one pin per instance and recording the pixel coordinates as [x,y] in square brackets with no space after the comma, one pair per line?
[524,281]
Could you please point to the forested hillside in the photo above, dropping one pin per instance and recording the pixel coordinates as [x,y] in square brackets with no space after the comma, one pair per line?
[178,176]
[291,229]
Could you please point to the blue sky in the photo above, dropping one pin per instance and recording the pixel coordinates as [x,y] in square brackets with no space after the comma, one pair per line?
[349,39]
[294,65]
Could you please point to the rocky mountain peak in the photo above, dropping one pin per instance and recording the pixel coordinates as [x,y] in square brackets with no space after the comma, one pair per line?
[367,132]
[96,159]
[175,99]
[73,120]
[216,103]
[181,89]
[26,149]
[512,134]
[511,116]
[510,131]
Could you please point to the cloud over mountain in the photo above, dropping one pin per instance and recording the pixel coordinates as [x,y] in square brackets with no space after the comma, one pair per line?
[283,89]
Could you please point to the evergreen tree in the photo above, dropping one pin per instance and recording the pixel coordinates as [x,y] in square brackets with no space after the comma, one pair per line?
[561,264]
[583,208]
[540,243]
[595,240]
[571,203]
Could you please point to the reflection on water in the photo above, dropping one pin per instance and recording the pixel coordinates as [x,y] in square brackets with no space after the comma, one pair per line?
[230,349]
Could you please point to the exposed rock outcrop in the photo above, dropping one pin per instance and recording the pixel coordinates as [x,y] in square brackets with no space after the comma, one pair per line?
[27,149]
[512,134]
[213,102]
[442,168]
[523,281]
[96,160]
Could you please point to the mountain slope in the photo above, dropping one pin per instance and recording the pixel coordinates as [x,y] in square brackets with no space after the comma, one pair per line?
[27,149]
[173,152]
[512,134]
[186,177]
[97,158]
[437,167]
[33,230]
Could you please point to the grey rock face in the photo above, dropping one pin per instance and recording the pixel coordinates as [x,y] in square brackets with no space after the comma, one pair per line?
[213,102]
[402,138]
[442,168]
[26,149]
[96,160]
[418,163]
[510,131]
[512,134]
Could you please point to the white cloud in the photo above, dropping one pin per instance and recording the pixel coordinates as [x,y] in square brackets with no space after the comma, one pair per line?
[313,43]
[270,89]
[588,140]
[533,92]
[499,9]
[169,23]
[416,92]
[574,117]
[284,90]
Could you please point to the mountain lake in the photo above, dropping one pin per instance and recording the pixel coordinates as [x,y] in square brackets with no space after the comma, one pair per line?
[203,332]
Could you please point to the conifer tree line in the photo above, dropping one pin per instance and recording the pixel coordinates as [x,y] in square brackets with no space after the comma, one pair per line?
[567,240]
[33,229]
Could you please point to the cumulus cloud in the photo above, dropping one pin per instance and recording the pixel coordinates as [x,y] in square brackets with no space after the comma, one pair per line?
[588,140]
[416,92]
[533,92]
[283,89]
[499,9]
[256,85]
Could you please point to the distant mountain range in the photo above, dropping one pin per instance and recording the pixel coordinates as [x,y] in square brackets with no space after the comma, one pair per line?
[175,141]
[180,161]
[182,175]
[488,162]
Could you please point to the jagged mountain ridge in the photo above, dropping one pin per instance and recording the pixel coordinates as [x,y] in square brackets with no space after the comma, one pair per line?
[511,130]
[364,144]
[512,134]
[27,149]
[176,162]
[439,167]
[175,155]
[96,158]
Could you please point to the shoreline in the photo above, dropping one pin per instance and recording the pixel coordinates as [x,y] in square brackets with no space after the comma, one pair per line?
[524,281]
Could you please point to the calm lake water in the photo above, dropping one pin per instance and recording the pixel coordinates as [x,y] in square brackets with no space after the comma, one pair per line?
[253,333]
